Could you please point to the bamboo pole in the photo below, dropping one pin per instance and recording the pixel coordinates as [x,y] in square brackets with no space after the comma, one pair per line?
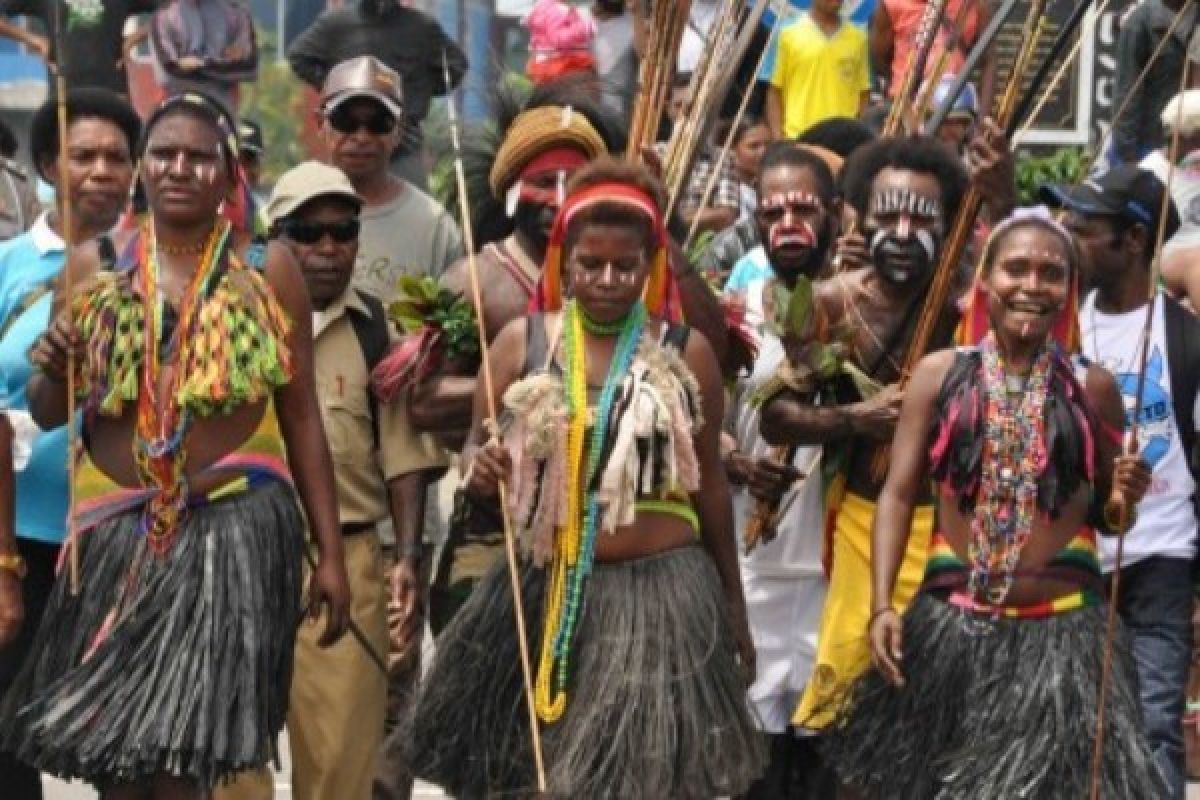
[510,550]
[964,223]
[1118,506]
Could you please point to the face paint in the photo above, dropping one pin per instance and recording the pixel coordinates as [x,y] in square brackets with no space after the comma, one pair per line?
[901,259]
[905,202]
[906,247]
[789,230]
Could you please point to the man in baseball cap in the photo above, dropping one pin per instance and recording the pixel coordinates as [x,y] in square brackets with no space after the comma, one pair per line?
[1125,193]
[404,230]
[1118,219]
[339,694]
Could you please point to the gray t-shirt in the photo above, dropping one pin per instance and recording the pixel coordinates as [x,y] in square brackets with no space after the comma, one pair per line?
[411,235]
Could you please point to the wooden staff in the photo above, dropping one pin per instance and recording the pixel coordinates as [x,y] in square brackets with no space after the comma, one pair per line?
[727,145]
[1065,35]
[66,219]
[510,548]
[964,223]
[921,106]
[982,45]
[1117,508]
[918,58]
[1137,85]
[1058,76]
[657,73]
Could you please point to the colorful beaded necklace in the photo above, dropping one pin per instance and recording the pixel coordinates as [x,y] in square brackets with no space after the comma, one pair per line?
[1014,454]
[158,445]
[575,543]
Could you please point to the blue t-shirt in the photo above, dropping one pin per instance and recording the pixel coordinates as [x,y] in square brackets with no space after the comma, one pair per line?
[28,264]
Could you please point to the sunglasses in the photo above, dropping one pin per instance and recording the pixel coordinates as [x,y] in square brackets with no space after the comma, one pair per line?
[343,120]
[312,232]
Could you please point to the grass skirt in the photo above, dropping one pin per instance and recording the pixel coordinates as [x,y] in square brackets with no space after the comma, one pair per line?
[192,679]
[1009,712]
[656,705]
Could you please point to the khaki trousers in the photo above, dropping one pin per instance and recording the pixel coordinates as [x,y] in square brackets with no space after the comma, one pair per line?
[338,697]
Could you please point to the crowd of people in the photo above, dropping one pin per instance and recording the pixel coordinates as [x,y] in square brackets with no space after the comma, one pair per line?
[696,497]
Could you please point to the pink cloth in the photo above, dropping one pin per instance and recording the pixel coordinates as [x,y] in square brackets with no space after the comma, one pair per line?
[555,28]
[906,18]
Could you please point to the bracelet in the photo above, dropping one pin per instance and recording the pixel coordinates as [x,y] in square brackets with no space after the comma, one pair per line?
[878,613]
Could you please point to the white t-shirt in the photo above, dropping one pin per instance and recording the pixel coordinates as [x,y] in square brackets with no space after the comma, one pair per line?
[783,580]
[1185,193]
[1166,519]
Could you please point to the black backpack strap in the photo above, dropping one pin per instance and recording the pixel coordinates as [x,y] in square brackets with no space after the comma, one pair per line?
[1183,360]
[373,338]
[536,344]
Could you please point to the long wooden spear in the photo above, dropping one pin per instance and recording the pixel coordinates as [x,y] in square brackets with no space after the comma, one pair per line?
[1052,86]
[1118,507]
[1065,34]
[914,70]
[727,145]
[1137,85]
[66,220]
[510,546]
[964,223]
[982,45]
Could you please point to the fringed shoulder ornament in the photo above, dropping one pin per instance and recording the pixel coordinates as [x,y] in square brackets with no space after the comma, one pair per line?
[234,352]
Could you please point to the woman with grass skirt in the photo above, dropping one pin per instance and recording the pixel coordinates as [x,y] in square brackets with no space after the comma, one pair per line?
[988,686]
[169,670]
[608,445]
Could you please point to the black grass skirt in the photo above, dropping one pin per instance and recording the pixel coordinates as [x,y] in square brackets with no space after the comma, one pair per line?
[192,679]
[1009,712]
[656,705]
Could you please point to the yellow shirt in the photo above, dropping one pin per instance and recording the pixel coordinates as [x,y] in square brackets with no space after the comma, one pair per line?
[342,382]
[819,76]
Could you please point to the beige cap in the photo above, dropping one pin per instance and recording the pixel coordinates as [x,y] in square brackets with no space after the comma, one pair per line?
[306,182]
[364,76]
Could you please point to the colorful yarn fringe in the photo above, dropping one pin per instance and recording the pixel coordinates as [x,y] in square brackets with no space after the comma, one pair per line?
[228,350]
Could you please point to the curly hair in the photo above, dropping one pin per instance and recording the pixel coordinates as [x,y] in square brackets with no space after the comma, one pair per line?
[914,153]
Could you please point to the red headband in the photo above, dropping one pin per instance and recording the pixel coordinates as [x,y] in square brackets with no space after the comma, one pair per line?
[661,295]
[556,159]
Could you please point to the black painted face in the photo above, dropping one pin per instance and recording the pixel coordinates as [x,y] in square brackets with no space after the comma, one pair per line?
[904,226]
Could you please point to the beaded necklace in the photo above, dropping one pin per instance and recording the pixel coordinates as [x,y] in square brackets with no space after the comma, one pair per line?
[1014,455]
[575,543]
[158,445]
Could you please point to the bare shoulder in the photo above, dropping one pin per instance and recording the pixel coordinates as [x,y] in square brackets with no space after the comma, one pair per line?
[930,373]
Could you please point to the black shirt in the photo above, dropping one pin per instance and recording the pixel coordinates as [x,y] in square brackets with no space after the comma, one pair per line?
[409,41]
[93,51]
[1140,130]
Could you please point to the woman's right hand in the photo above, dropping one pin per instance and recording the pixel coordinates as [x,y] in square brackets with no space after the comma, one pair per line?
[489,468]
[886,635]
[53,349]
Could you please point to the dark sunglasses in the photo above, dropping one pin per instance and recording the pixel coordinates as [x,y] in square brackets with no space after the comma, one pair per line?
[313,232]
[379,123]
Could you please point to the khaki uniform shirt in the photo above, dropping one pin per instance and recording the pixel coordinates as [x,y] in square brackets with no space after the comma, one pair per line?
[342,392]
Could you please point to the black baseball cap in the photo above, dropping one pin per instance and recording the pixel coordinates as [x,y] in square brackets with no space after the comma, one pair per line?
[1125,191]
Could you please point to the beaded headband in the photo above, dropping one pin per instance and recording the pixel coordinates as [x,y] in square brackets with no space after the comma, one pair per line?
[660,295]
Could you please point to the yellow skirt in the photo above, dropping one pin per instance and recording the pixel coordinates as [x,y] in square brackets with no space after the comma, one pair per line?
[842,649]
